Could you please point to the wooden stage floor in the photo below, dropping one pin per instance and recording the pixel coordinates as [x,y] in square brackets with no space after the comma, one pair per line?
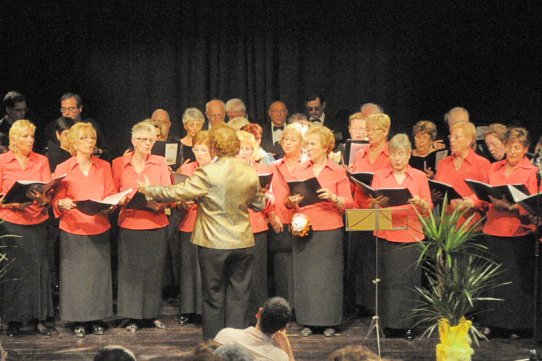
[176,343]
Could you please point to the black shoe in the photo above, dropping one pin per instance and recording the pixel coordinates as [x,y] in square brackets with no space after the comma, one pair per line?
[79,331]
[13,330]
[42,329]
[97,330]
[184,320]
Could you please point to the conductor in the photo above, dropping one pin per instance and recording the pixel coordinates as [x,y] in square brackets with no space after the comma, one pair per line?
[224,190]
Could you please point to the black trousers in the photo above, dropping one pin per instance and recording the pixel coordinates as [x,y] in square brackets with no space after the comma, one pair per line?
[226,275]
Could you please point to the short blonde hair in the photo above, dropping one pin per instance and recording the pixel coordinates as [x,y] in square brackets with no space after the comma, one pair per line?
[469,130]
[145,125]
[327,139]
[399,142]
[201,137]
[358,115]
[17,129]
[238,122]
[292,129]
[517,134]
[75,132]
[381,120]
[223,141]
[246,137]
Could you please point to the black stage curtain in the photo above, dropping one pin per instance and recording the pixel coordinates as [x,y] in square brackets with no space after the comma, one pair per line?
[417,59]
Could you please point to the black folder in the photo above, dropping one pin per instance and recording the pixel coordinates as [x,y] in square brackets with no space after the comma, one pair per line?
[484,190]
[17,193]
[397,196]
[307,188]
[138,201]
[351,147]
[444,188]
[93,206]
[265,179]
[529,202]
[364,177]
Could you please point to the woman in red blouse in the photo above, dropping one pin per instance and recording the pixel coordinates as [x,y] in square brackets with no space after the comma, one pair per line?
[85,256]
[26,289]
[280,239]
[142,232]
[318,257]
[258,221]
[399,274]
[508,235]
[191,296]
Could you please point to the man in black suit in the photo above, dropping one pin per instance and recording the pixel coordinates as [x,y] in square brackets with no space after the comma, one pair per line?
[316,106]
[272,132]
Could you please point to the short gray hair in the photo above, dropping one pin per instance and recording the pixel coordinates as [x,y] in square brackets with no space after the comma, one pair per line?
[235,104]
[192,114]
[144,126]
[400,142]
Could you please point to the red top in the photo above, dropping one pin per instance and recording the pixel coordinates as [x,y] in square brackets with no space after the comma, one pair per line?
[258,220]
[362,163]
[279,186]
[506,224]
[189,220]
[97,185]
[324,215]
[416,182]
[125,176]
[37,169]
[473,167]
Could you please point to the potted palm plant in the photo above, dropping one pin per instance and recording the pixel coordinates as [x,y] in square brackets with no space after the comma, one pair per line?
[459,272]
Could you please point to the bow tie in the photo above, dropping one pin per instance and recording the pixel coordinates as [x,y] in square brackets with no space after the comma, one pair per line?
[278,127]
[316,120]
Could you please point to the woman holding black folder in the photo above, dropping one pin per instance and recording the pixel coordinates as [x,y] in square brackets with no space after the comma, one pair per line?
[318,257]
[85,256]
[26,288]
[280,239]
[142,233]
[508,235]
[398,273]
[423,155]
[191,294]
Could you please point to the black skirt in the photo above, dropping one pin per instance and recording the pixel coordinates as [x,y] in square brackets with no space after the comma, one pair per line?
[142,254]
[318,278]
[398,276]
[85,277]
[26,285]
[281,266]
[191,294]
[516,254]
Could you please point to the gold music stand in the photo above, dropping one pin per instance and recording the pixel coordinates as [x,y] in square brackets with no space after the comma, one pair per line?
[377,219]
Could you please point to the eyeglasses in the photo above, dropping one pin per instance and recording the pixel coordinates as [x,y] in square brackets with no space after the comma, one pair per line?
[455,137]
[313,108]
[70,109]
[146,140]
[372,130]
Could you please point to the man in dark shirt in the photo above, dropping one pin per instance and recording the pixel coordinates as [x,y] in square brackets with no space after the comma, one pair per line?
[15,108]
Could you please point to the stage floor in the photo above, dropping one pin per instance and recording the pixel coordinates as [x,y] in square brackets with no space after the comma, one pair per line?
[176,343]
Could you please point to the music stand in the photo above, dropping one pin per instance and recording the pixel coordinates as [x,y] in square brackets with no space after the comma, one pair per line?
[375,220]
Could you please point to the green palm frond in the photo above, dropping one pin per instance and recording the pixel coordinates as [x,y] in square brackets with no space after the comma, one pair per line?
[459,270]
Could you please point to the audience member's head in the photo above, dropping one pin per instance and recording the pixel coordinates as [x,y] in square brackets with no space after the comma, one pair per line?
[456,115]
[371,108]
[236,108]
[233,352]
[223,141]
[162,117]
[114,353]
[71,106]
[205,351]
[215,110]
[15,106]
[353,353]
[274,315]
[315,105]
[278,112]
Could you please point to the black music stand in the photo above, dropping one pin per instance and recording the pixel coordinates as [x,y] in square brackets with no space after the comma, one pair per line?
[375,220]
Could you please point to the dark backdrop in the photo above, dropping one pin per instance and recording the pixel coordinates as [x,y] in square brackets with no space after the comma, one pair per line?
[416,58]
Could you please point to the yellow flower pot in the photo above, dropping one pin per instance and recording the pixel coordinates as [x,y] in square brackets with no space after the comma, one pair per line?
[454,341]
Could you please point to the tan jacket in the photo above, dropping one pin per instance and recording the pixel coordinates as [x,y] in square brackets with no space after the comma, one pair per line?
[224,191]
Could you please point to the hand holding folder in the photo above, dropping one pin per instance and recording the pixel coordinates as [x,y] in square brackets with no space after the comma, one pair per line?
[92,207]
[307,189]
[24,191]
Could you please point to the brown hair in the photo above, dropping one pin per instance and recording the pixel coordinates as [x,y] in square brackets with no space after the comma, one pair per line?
[223,141]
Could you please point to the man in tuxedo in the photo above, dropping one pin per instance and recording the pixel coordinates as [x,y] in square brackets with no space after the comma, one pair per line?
[236,108]
[272,132]
[316,106]
[215,111]
[15,108]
